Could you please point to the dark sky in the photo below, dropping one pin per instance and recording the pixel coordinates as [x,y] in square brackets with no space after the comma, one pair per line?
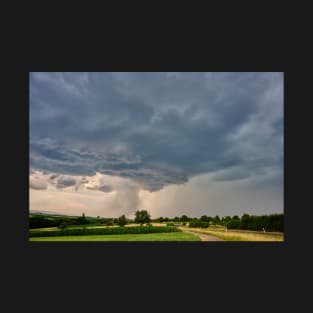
[159,130]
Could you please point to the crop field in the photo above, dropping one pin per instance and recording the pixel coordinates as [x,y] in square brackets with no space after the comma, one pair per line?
[174,236]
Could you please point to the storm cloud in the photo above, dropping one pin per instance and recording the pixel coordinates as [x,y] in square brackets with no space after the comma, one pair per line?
[157,129]
[119,195]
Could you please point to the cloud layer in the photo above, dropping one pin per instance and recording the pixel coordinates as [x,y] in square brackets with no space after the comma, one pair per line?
[156,129]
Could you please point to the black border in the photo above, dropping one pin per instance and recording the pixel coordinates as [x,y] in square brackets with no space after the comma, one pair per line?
[260,270]
[221,250]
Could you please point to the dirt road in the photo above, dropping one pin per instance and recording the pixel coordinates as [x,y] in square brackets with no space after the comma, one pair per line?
[203,237]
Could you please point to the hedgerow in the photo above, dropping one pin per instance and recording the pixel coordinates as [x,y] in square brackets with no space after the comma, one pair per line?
[105,231]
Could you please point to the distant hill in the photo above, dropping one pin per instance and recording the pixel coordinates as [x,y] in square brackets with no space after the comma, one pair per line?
[53,213]
[46,212]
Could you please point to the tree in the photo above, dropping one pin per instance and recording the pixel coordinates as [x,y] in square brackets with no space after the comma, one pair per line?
[245,220]
[226,219]
[82,219]
[121,221]
[142,217]
[204,218]
[233,223]
[109,222]
[217,219]
[184,218]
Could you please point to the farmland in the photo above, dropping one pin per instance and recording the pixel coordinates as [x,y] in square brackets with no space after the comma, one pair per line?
[237,235]
[175,236]
[45,227]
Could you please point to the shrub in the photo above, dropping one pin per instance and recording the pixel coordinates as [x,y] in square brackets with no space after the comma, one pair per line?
[63,225]
[40,222]
[204,224]
[170,224]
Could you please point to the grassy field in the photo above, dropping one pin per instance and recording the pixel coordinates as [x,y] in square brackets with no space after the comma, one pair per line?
[176,236]
[236,235]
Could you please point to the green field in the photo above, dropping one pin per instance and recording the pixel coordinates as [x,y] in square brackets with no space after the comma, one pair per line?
[175,236]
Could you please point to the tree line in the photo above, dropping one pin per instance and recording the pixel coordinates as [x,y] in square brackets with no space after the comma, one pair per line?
[270,222]
[42,221]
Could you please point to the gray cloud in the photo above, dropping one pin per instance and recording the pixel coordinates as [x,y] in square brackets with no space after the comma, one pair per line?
[157,128]
[63,182]
[37,184]
[104,188]
[234,174]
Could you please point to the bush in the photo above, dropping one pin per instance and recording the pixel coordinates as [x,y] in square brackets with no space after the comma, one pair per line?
[41,222]
[170,224]
[204,224]
[63,225]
